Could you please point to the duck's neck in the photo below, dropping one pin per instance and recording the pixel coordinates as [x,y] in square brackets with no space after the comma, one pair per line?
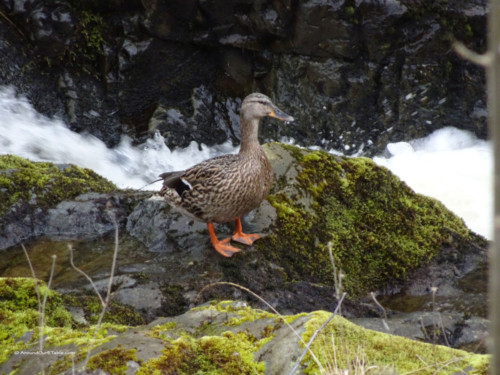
[249,135]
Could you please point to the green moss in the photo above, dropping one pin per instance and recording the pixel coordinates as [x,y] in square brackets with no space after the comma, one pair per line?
[58,336]
[379,229]
[114,361]
[19,314]
[89,46]
[349,11]
[175,303]
[44,184]
[229,354]
[209,349]
[79,339]
[116,312]
[241,311]
[357,348]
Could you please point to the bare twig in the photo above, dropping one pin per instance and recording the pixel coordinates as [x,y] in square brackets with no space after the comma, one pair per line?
[338,275]
[70,248]
[41,305]
[39,300]
[108,293]
[5,17]
[34,279]
[483,60]
[384,320]
[42,321]
[307,348]
[434,290]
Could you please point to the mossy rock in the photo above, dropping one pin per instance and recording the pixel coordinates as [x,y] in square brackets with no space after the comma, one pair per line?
[43,185]
[21,301]
[347,348]
[379,229]
[227,337]
[20,311]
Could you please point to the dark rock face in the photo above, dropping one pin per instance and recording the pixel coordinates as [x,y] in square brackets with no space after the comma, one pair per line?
[355,74]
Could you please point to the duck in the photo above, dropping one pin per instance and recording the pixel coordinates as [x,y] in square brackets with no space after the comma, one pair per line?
[225,188]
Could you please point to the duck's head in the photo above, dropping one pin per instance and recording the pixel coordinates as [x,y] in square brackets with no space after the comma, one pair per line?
[256,106]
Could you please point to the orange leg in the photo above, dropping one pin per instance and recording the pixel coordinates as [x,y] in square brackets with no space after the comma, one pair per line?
[239,236]
[222,247]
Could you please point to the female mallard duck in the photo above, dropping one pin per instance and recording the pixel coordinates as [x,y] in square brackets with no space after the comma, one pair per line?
[227,187]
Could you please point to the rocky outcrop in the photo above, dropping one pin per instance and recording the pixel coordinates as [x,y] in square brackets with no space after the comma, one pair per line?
[355,74]
[226,337]
[35,201]
[406,248]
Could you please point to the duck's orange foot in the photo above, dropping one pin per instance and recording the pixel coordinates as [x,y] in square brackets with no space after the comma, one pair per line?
[239,236]
[224,249]
[245,239]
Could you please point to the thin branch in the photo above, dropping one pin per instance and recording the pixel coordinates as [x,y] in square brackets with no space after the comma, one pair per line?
[483,60]
[42,323]
[338,275]
[115,256]
[4,16]
[108,293]
[70,248]
[40,311]
[384,320]
[307,348]
[34,279]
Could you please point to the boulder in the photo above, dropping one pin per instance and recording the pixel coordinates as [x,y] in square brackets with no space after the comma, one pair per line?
[35,201]
[226,337]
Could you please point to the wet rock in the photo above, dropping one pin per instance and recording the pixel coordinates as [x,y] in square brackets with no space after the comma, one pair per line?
[446,329]
[142,298]
[180,130]
[319,30]
[85,217]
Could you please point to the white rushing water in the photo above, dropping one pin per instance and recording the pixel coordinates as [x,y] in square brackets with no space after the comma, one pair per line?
[450,165]
[26,133]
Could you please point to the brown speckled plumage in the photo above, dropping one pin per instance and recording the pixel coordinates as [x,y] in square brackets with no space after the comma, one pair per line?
[226,187]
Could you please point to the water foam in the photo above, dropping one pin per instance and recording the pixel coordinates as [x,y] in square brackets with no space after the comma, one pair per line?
[26,133]
[452,166]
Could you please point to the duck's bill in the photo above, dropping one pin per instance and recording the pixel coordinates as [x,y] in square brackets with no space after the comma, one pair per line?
[279,114]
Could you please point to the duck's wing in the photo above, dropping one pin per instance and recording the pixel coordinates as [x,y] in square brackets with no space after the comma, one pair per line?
[204,173]
[210,169]
[175,181]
